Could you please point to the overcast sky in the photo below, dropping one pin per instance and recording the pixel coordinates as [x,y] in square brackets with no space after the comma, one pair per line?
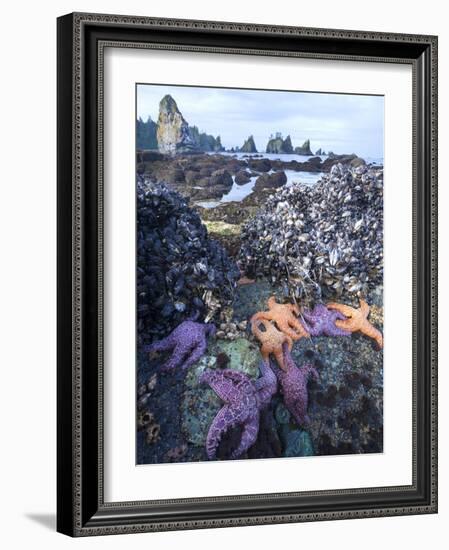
[333,122]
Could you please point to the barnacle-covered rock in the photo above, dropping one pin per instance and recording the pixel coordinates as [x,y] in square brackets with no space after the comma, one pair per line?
[320,241]
[181,271]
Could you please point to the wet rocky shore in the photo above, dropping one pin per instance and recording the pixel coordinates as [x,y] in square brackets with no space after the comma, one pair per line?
[210,176]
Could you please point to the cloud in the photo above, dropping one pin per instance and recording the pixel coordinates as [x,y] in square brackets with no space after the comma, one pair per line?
[342,123]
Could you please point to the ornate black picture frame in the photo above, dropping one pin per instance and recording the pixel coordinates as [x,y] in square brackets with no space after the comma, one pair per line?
[81,509]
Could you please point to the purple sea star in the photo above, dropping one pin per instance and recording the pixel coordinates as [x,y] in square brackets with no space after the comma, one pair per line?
[244,399]
[187,342]
[293,382]
[320,321]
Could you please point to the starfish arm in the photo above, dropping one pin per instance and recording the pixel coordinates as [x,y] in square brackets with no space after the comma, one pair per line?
[175,360]
[298,408]
[308,316]
[166,344]
[262,316]
[279,358]
[287,329]
[289,343]
[249,436]
[297,327]
[312,373]
[266,372]
[196,353]
[242,384]
[255,326]
[372,332]
[348,311]
[346,324]
[220,424]
[265,350]
[266,385]
[310,325]
[334,330]
[364,307]
[294,308]
[223,387]
[272,302]
[338,315]
[265,393]
[235,375]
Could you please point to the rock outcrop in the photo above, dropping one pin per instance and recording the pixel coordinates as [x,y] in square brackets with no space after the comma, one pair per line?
[287,146]
[249,146]
[270,181]
[173,132]
[304,149]
[346,160]
[278,145]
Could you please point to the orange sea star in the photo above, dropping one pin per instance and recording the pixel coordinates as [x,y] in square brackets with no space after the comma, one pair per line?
[271,339]
[285,317]
[357,320]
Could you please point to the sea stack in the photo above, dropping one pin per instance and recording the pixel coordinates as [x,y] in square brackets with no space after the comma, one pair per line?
[278,145]
[249,146]
[304,149]
[173,132]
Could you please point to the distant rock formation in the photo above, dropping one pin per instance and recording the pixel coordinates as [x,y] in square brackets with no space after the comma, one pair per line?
[249,146]
[173,132]
[319,152]
[205,142]
[304,149]
[218,147]
[174,135]
[287,146]
[278,145]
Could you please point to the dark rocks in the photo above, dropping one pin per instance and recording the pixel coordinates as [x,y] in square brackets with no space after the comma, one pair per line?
[315,161]
[180,270]
[345,160]
[242,177]
[270,181]
[296,442]
[311,165]
[260,165]
[149,156]
[176,175]
[346,403]
[221,177]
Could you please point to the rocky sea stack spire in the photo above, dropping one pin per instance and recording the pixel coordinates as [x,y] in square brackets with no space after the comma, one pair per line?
[249,146]
[173,132]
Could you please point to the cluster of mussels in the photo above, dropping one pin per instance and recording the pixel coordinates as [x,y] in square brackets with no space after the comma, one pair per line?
[323,240]
[181,272]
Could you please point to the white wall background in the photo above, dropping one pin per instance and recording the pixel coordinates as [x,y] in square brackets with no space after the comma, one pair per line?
[27,272]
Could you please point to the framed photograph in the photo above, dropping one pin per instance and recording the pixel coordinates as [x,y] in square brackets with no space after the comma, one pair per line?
[247,274]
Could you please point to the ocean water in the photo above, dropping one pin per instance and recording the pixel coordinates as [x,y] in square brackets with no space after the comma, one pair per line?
[299,158]
[238,192]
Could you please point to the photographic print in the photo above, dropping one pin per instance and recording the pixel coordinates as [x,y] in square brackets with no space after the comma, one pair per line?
[259,273]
